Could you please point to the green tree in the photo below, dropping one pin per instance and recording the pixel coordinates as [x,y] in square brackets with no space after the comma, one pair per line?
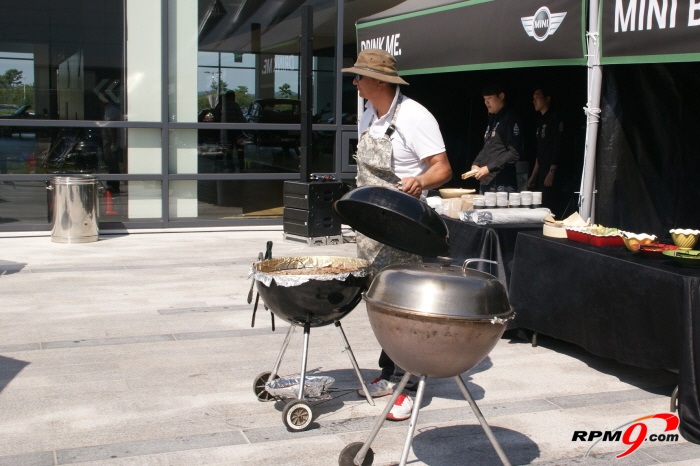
[243,97]
[13,90]
[285,91]
[11,78]
[218,87]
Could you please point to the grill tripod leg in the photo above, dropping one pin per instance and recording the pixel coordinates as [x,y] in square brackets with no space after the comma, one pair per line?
[354,362]
[360,457]
[482,421]
[413,421]
[281,353]
[302,377]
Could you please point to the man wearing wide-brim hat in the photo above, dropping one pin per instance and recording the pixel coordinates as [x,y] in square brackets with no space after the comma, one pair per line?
[400,146]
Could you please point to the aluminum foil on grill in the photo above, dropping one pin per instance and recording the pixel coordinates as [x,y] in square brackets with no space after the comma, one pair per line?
[288,387]
[293,271]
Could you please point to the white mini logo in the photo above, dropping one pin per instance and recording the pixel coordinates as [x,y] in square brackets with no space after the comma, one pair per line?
[543,24]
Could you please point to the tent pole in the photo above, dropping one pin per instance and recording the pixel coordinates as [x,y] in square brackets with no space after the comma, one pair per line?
[595,82]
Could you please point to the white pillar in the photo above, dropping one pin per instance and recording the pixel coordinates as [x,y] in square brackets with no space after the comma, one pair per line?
[595,82]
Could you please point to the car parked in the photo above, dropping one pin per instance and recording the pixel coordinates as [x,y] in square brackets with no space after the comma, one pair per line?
[11,112]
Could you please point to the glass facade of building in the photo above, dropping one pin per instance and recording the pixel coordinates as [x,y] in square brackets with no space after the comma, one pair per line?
[188,112]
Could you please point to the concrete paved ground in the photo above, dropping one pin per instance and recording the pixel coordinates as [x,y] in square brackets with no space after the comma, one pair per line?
[138,350]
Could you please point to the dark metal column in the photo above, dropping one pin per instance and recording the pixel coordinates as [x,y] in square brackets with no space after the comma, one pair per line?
[306,90]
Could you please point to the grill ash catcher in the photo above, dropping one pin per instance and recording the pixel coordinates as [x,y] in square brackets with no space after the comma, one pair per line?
[432,319]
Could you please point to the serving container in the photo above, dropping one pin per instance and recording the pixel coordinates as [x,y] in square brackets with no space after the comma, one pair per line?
[685,258]
[448,193]
[684,238]
[582,235]
[633,240]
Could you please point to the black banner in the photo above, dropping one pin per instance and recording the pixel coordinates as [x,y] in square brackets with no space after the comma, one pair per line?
[483,34]
[650,31]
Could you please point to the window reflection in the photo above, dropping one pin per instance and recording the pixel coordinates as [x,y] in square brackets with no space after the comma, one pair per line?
[225,199]
[262,151]
[107,150]
[63,65]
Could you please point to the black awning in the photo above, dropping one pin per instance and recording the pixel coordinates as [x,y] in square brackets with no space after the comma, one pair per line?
[434,36]
[649,32]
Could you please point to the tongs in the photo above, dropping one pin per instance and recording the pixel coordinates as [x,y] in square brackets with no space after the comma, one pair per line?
[261,257]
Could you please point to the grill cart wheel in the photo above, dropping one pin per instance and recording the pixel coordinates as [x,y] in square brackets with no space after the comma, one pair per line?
[259,386]
[347,456]
[297,415]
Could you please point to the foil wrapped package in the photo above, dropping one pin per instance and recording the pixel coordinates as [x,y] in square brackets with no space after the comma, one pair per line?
[293,271]
[288,387]
[500,216]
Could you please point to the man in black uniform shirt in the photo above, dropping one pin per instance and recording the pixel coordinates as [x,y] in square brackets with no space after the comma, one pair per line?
[503,144]
[550,129]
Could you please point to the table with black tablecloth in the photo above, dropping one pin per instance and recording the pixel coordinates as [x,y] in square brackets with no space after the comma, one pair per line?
[494,242]
[637,310]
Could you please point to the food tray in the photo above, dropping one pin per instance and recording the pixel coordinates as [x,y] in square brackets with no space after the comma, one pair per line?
[655,250]
[595,240]
[689,258]
[288,387]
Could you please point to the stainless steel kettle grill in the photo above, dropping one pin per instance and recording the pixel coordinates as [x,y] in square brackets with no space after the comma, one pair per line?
[432,319]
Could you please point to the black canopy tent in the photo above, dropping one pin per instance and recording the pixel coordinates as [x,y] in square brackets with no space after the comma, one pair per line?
[647,166]
[644,159]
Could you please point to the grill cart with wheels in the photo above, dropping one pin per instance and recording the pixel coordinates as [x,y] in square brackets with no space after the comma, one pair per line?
[311,291]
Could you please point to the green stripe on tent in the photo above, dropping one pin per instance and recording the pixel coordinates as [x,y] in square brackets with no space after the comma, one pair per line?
[635,59]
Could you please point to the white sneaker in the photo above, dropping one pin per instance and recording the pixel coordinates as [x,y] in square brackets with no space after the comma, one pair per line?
[402,409]
[378,387]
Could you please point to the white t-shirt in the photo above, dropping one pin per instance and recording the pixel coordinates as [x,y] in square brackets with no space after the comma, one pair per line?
[417,137]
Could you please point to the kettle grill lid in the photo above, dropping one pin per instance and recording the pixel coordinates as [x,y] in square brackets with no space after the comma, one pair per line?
[396,219]
[439,290]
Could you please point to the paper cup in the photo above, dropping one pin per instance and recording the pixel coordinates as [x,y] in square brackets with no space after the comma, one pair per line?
[468,201]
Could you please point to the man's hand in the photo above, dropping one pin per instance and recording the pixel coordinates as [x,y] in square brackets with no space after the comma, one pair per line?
[411,185]
[482,172]
[549,179]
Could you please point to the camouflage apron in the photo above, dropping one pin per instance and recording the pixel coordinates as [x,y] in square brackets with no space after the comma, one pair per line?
[374,169]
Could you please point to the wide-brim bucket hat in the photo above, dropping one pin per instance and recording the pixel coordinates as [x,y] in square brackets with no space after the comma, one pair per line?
[377,64]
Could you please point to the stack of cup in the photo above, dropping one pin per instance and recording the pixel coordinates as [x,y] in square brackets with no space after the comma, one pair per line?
[501,199]
[526,198]
[514,200]
[479,202]
[490,200]
[536,199]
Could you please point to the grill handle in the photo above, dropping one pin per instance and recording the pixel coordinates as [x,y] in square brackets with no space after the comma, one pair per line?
[471,261]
